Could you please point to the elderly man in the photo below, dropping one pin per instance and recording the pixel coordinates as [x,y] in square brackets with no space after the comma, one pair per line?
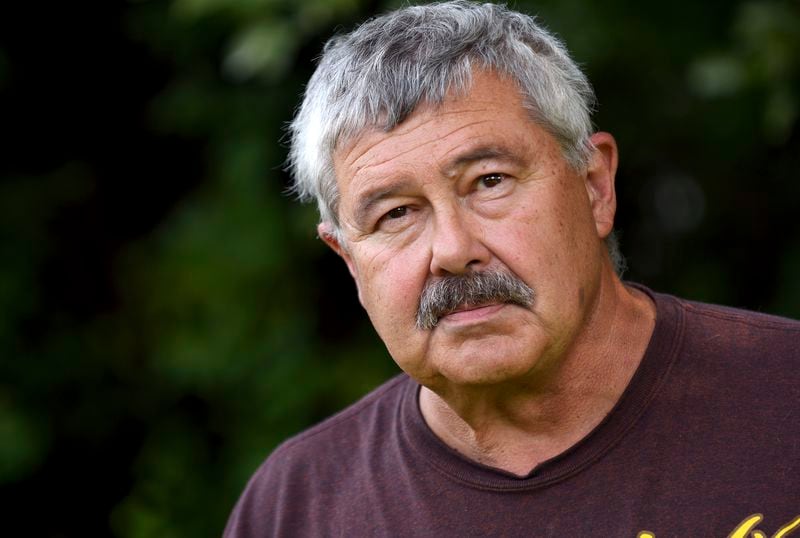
[449,148]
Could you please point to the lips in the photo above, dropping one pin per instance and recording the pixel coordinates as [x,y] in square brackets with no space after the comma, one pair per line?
[472,312]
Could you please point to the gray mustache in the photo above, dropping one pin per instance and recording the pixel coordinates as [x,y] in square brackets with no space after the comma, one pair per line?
[445,294]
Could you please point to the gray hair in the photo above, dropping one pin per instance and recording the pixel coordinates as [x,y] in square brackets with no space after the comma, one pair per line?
[377,75]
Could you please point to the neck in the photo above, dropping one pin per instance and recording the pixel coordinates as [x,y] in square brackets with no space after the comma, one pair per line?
[520,424]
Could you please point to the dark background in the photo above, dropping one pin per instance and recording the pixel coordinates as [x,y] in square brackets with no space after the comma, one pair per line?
[166,313]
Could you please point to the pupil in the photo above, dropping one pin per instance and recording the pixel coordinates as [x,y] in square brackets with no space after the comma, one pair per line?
[491,181]
[397,212]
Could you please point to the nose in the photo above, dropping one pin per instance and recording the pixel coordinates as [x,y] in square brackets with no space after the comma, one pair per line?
[457,245]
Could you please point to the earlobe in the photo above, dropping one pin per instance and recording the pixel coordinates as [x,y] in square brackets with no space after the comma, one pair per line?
[600,177]
[329,236]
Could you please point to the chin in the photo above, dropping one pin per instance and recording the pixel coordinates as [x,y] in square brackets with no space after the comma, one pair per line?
[489,364]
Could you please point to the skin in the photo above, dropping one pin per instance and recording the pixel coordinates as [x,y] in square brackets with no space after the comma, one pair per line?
[471,185]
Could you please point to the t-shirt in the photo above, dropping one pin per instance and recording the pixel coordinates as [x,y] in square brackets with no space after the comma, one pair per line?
[704,442]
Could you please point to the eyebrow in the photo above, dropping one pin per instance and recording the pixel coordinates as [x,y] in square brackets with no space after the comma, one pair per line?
[374,196]
[482,153]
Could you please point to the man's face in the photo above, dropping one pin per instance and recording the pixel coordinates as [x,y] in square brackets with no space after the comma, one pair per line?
[473,185]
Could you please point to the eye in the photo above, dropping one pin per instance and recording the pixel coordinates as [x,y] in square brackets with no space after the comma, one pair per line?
[397,212]
[490,180]
[393,218]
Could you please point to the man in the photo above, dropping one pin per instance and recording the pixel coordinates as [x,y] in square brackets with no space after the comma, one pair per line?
[450,150]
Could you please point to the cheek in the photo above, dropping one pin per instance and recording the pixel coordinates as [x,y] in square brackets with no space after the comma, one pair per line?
[539,243]
[526,238]
[391,283]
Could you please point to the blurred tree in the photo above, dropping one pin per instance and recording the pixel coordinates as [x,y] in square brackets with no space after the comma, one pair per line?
[167,314]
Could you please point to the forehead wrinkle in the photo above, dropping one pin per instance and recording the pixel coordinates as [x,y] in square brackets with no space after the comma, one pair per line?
[433,111]
[354,141]
[441,111]
[407,150]
[465,126]
[391,158]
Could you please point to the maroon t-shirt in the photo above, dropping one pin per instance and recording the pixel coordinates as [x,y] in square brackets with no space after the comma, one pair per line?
[705,439]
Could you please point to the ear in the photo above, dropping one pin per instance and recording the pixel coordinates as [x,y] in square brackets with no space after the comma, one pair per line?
[600,177]
[328,234]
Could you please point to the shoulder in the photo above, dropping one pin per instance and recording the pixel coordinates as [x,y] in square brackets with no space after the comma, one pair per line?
[696,328]
[341,435]
[297,483]
[740,317]
[740,329]
[379,404]
[751,356]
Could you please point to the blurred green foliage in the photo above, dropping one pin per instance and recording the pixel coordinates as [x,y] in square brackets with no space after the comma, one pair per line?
[160,336]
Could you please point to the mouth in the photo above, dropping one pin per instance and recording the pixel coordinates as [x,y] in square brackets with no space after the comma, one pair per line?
[467,313]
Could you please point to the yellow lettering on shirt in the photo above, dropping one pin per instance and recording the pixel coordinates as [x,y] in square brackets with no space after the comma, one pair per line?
[746,529]
[788,528]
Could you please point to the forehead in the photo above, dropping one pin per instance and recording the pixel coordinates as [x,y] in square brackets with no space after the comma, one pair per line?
[491,108]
